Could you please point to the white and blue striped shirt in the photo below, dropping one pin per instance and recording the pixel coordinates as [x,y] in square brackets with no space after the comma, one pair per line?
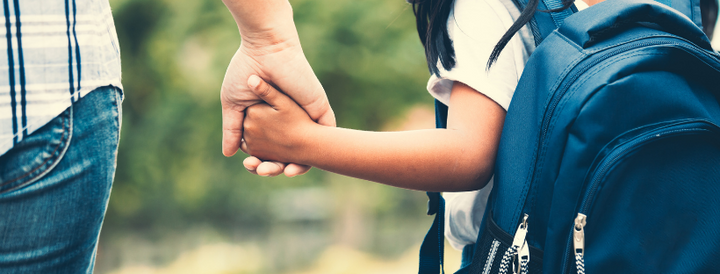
[54,53]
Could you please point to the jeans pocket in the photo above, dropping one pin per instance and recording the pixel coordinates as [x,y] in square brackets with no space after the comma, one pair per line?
[37,154]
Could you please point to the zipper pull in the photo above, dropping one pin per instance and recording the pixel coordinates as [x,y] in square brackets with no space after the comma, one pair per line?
[579,234]
[579,242]
[521,232]
[519,245]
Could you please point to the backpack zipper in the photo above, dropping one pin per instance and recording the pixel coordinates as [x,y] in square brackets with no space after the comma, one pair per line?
[518,254]
[577,238]
[579,242]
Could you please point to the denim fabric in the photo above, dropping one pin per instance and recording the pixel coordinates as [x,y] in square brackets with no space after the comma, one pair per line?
[55,185]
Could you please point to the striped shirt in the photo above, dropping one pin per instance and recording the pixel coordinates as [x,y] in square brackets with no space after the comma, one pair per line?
[54,53]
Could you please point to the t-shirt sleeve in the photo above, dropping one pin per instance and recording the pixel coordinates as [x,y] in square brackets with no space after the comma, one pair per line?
[475,27]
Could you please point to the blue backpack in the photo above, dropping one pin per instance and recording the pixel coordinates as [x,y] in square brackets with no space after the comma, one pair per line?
[609,160]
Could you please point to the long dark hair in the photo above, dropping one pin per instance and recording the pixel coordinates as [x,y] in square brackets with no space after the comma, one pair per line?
[431,19]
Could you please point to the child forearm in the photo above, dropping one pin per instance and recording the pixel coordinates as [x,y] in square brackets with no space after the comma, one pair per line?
[454,159]
[429,160]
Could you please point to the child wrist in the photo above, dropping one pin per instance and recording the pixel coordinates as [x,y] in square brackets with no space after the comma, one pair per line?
[307,144]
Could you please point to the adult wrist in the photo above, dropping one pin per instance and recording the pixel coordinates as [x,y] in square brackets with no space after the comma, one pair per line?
[263,21]
[277,36]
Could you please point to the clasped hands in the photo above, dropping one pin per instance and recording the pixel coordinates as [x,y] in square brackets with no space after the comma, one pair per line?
[284,65]
[275,130]
[270,49]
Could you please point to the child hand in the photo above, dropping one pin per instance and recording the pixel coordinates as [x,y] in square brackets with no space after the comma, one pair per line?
[274,130]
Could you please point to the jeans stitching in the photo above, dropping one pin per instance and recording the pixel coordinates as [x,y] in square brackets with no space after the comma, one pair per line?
[116,104]
[64,142]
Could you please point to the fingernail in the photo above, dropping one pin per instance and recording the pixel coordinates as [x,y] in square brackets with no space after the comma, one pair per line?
[253,81]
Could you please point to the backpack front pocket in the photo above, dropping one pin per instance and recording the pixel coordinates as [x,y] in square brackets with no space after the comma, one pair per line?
[647,201]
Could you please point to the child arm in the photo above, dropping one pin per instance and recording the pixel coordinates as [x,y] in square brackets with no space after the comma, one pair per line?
[458,158]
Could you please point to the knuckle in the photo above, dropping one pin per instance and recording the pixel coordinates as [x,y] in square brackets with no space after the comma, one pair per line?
[253,110]
[249,128]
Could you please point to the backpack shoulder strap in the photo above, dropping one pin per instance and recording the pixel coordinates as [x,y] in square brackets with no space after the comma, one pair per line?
[544,23]
[432,248]
[549,21]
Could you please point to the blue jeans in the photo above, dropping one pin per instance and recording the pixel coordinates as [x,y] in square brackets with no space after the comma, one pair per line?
[55,186]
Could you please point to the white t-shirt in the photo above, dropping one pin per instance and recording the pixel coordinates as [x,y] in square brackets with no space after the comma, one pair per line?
[475,26]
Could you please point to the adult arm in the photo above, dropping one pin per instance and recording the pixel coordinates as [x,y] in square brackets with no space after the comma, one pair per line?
[458,158]
[270,48]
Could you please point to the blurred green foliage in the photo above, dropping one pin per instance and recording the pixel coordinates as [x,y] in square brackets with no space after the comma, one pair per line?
[171,173]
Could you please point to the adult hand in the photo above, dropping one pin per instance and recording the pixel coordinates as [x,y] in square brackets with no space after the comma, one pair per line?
[271,49]
[282,64]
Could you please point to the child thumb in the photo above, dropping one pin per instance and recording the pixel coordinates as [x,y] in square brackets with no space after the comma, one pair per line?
[265,91]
